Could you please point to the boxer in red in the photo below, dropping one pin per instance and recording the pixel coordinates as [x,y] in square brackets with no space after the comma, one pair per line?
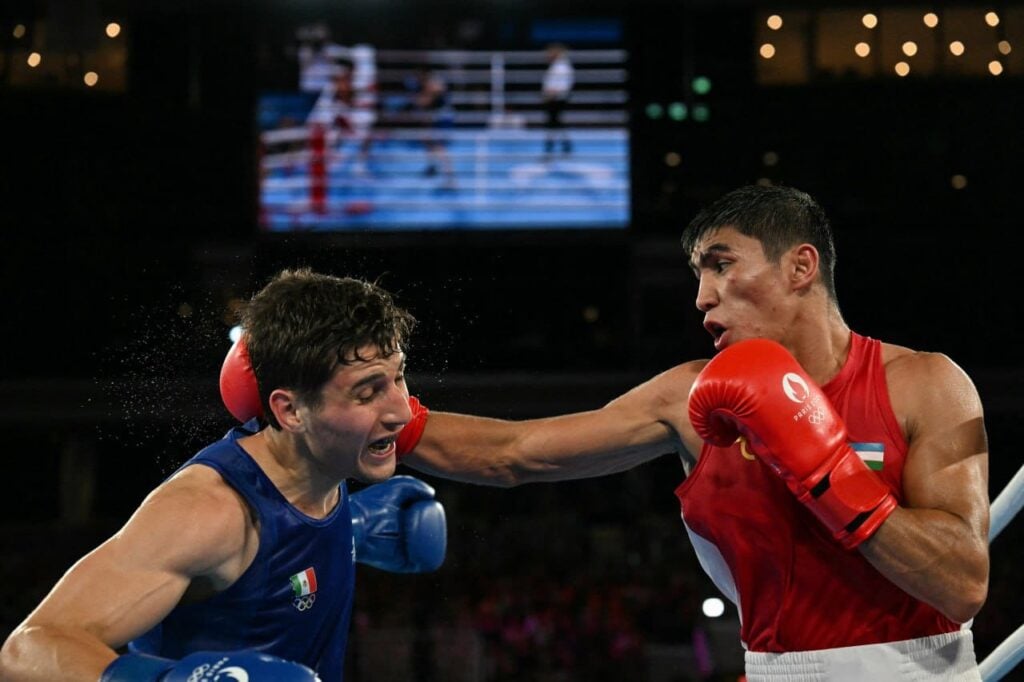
[836,485]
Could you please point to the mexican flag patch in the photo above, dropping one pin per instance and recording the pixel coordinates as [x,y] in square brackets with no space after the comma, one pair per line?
[304,583]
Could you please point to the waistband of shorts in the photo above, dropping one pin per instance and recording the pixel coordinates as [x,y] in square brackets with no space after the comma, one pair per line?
[947,656]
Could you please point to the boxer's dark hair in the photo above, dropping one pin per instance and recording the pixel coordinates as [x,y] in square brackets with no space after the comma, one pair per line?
[302,325]
[778,217]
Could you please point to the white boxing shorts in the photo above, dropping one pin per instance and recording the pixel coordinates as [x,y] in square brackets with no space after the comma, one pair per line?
[947,657]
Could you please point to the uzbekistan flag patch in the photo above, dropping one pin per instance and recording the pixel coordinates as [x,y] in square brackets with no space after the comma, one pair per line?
[872,454]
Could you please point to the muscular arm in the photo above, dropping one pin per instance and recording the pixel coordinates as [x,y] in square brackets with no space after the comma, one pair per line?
[126,585]
[648,421]
[935,546]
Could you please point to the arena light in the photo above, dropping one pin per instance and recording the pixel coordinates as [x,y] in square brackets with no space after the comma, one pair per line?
[701,85]
[958,181]
[113,29]
[774,22]
[992,19]
[770,159]
[995,67]
[931,20]
[701,113]
[767,50]
[19,30]
[902,69]
[909,48]
[713,607]
[654,111]
[957,48]
[34,59]
[672,159]
[677,111]
[862,49]
[91,78]
[1005,47]
[869,20]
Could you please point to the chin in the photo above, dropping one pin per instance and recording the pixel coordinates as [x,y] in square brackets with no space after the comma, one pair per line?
[376,474]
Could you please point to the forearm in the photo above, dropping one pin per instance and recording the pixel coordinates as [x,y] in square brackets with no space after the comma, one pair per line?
[46,653]
[508,453]
[934,556]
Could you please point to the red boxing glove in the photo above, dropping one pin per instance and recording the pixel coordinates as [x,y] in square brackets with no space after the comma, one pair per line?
[238,387]
[757,390]
[411,432]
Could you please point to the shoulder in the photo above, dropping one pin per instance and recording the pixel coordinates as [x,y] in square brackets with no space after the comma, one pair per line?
[194,519]
[923,383]
[923,368]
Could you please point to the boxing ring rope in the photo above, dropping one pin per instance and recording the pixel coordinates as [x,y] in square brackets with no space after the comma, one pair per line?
[1008,654]
[1007,504]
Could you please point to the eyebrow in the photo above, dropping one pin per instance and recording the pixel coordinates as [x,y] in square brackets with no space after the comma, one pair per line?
[376,376]
[701,261]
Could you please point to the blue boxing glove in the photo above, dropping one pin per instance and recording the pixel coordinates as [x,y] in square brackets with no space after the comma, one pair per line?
[207,666]
[398,526]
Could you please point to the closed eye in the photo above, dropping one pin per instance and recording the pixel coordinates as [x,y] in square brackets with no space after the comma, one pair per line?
[367,396]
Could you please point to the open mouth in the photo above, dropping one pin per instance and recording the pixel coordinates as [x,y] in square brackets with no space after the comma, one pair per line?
[382,445]
[716,330]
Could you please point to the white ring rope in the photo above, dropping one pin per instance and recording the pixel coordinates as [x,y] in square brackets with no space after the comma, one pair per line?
[1003,659]
[1007,504]
[1008,654]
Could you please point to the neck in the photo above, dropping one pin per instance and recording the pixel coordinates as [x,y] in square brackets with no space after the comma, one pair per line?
[283,458]
[820,344]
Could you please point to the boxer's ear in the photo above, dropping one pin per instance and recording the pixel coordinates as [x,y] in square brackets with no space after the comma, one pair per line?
[284,405]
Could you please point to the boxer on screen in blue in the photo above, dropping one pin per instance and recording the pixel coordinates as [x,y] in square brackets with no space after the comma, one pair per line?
[241,564]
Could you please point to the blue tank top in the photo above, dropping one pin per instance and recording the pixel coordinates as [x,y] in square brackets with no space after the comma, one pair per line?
[295,599]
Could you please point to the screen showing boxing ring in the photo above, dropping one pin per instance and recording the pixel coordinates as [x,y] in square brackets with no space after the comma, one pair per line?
[376,139]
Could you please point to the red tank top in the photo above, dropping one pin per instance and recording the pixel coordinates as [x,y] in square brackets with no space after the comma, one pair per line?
[796,588]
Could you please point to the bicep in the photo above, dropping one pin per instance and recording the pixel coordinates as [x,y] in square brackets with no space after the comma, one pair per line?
[947,461]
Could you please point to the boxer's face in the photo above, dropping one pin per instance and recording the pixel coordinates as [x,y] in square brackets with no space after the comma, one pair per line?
[741,293]
[364,406]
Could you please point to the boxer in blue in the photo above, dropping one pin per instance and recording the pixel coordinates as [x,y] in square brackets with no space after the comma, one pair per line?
[241,564]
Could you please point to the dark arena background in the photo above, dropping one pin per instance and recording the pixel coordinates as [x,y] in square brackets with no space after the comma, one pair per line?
[160,160]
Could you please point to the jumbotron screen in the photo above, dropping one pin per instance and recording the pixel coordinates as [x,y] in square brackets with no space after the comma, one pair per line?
[383,139]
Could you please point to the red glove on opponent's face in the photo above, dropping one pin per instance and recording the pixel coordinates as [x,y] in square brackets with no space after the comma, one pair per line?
[240,394]
[411,432]
[757,390]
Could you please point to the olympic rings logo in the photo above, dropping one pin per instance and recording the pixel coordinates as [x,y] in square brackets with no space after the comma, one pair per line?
[817,417]
[216,671]
[304,603]
[199,673]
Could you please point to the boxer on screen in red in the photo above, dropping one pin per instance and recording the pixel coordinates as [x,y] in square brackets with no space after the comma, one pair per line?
[836,485]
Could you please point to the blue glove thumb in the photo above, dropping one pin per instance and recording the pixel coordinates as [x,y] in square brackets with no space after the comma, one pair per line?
[398,526]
